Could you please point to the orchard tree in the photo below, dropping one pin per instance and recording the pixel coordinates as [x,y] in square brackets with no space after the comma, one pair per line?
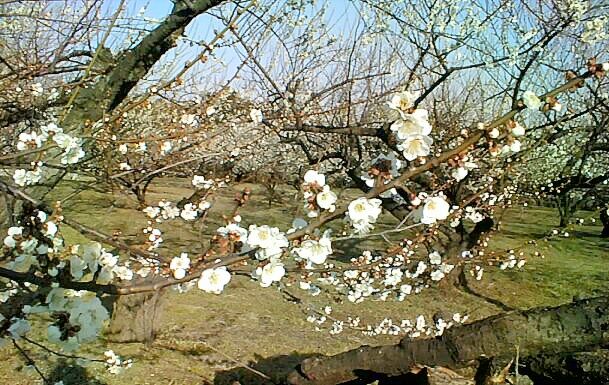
[424,107]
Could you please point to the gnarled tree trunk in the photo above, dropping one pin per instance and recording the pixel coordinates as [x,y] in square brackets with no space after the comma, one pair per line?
[136,317]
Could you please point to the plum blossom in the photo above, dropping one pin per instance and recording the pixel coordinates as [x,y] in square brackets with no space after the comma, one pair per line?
[29,140]
[166,147]
[312,177]
[19,327]
[459,173]
[199,181]
[515,146]
[402,102]
[179,265]
[435,258]
[49,129]
[271,272]
[256,115]
[22,177]
[462,171]
[73,151]
[518,130]
[189,119]
[362,212]
[415,123]
[315,251]
[214,280]
[326,199]
[415,146]
[234,230]
[435,208]
[13,232]
[269,239]
[494,133]
[531,100]
[152,212]
[189,212]
[437,275]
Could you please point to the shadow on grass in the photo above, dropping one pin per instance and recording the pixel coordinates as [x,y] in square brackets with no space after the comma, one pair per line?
[72,374]
[278,367]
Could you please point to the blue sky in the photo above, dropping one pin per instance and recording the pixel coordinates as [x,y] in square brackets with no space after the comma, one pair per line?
[340,18]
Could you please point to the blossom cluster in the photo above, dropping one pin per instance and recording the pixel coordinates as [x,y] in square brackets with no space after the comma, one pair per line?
[70,146]
[412,128]
[317,194]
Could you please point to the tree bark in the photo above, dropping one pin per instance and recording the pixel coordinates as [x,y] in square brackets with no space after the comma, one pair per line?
[568,328]
[136,318]
[582,368]
[605,221]
[132,65]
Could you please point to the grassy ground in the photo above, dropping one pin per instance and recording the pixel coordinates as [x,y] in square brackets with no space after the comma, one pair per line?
[206,338]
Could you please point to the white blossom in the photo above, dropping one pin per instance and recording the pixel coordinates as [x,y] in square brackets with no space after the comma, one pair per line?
[271,272]
[434,209]
[415,145]
[531,100]
[314,178]
[214,280]
[256,115]
[179,265]
[315,251]
[326,199]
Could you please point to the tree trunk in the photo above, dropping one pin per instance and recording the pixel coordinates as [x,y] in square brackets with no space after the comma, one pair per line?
[566,208]
[568,328]
[136,317]
[605,221]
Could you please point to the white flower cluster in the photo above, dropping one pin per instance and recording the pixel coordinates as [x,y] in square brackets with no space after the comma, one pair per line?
[269,241]
[315,251]
[23,177]
[412,129]
[465,166]
[233,231]
[200,182]
[256,115]
[155,237]
[414,329]
[18,328]
[473,215]
[25,248]
[363,213]
[180,265]
[71,146]
[97,261]
[166,210]
[513,261]
[85,317]
[317,194]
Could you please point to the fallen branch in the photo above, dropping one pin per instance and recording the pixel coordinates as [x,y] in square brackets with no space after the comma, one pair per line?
[572,327]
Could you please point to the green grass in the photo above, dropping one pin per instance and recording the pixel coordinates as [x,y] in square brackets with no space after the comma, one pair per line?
[205,337]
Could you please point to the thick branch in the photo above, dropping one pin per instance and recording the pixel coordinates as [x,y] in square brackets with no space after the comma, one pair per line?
[132,65]
[568,328]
